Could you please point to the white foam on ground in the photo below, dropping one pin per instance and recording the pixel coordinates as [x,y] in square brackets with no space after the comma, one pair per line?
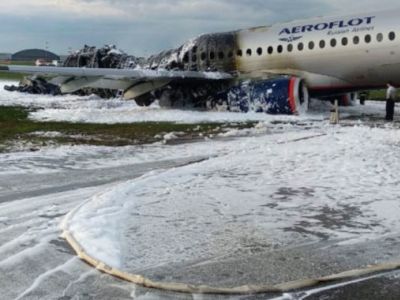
[349,170]
[277,190]
[150,114]
[54,159]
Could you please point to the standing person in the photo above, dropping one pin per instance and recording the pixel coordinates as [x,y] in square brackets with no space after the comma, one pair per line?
[390,101]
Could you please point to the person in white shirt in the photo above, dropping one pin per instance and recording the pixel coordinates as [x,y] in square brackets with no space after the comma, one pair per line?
[390,101]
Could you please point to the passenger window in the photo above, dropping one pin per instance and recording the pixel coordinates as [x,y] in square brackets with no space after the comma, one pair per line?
[280,49]
[333,43]
[212,55]
[392,36]
[239,52]
[194,49]
[322,44]
[186,58]
[300,46]
[259,51]
[194,58]
[221,55]
[230,54]
[356,40]
[379,37]
[203,56]
[290,48]
[368,38]
[248,52]
[270,50]
[311,45]
[345,41]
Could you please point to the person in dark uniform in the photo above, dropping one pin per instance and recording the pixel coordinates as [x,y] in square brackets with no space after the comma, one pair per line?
[390,101]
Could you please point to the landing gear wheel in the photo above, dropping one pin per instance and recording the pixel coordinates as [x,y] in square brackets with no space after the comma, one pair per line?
[144,100]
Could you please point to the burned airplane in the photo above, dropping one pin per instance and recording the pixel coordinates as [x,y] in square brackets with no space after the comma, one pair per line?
[273,69]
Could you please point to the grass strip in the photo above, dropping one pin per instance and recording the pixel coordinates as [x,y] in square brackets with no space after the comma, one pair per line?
[16,126]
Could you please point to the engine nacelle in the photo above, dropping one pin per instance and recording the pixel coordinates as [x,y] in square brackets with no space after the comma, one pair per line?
[274,96]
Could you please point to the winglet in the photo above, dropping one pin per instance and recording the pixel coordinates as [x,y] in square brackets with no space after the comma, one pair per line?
[4,68]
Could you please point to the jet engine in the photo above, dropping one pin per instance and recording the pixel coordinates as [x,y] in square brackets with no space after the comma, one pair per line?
[285,95]
[288,95]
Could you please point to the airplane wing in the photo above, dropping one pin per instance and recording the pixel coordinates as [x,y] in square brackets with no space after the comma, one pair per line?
[134,82]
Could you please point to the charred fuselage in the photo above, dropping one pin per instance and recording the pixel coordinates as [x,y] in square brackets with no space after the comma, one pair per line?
[209,52]
[206,53]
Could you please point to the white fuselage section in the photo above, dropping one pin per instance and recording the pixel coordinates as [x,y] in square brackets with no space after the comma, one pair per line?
[352,52]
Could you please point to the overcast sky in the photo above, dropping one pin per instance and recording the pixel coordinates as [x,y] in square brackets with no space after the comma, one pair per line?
[142,27]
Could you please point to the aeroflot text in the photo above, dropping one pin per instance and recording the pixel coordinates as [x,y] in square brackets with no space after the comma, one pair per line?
[330,25]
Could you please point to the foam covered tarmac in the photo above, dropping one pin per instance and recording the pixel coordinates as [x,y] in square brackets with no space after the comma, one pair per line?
[275,209]
[39,188]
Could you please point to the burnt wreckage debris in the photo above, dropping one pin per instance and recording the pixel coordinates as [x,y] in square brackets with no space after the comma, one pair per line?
[108,57]
[89,57]
[200,54]
[207,53]
[210,52]
[32,85]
